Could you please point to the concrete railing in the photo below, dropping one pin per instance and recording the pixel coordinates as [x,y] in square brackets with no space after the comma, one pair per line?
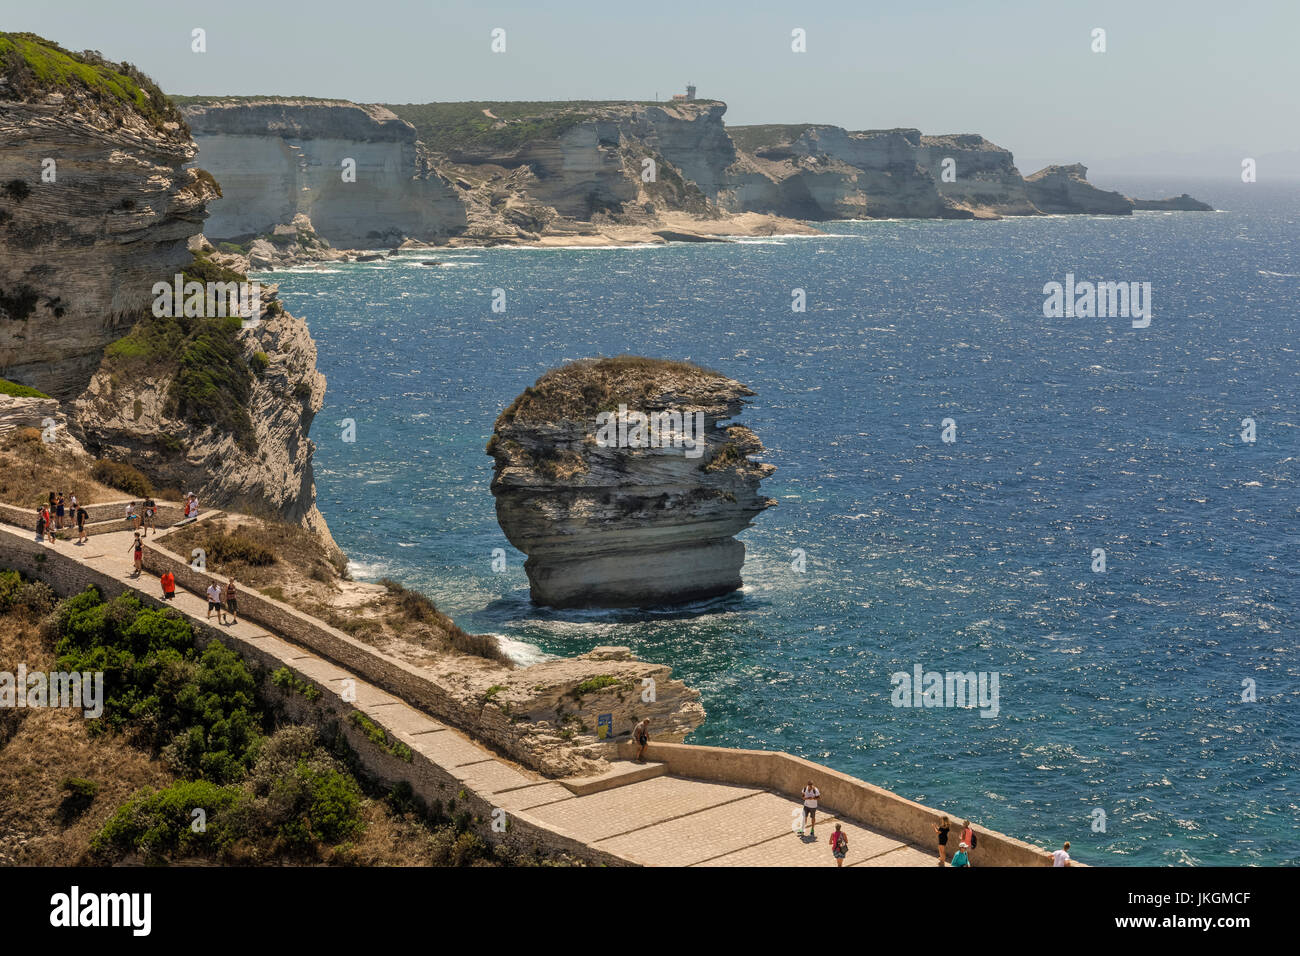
[841,794]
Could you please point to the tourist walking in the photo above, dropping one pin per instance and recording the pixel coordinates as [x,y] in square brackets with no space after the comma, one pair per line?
[1061,857]
[150,508]
[132,515]
[82,518]
[73,506]
[40,525]
[961,858]
[968,839]
[232,601]
[839,845]
[58,512]
[138,549]
[641,737]
[941,830]
[810,797]
[49,526]
[214,602]
[168,582]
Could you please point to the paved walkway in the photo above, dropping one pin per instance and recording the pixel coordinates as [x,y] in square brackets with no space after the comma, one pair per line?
[661,821]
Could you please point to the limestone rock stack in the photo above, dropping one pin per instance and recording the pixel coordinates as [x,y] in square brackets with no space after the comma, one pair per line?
[607,521]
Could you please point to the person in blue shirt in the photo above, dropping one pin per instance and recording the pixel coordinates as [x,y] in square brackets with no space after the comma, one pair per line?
[960,858]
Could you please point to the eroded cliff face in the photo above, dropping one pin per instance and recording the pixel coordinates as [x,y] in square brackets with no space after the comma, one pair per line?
[1065,190]
[619,164]
[81,248]
[825,172]
[277,158]
[130,418]
[93,209]
[620,518]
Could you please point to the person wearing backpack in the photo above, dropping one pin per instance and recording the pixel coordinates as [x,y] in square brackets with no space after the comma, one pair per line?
[968,839]
[839,845]
[810,797]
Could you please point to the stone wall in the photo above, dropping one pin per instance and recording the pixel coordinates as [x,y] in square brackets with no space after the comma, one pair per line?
[104,511]
[841,793]
[430,782]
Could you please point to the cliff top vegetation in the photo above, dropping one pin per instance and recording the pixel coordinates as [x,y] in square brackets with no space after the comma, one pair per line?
[582,389]
[464,127]
[32,67]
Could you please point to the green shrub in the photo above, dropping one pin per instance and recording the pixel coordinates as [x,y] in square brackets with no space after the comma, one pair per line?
[33,598]
[198,710]
[160,824]
[593,684]
[300,793]
[123,477]
[259,362]
[379,738]
[19,391]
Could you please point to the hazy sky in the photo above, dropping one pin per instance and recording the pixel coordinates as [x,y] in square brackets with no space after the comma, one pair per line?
[1181,77]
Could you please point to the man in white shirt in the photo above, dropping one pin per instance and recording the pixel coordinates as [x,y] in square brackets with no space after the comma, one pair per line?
[1061,857]
[810,795]
[214,603]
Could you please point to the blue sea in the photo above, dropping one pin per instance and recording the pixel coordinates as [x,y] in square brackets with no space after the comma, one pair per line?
[1121,725]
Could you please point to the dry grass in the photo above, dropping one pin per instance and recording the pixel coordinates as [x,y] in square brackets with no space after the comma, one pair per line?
[41,748]
[30,469]
[240,547]
[305,577]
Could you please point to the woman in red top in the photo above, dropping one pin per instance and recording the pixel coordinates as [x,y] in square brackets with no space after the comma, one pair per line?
[138,548]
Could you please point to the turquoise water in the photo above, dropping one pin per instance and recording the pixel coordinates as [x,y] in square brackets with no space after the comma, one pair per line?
[1119,691]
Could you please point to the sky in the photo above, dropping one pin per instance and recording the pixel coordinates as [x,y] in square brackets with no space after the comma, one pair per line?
[1199,82]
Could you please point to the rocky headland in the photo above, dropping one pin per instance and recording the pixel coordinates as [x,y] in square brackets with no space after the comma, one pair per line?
[98,203]
[589,173]
[610,517]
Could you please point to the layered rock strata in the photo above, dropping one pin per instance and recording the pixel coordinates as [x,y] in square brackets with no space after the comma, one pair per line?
[96,206]
[93,208]
[559,173]
[358,172]
[610,516]
[1065,190]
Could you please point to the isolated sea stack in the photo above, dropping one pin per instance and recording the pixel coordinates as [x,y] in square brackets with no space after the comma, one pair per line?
[622,482]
